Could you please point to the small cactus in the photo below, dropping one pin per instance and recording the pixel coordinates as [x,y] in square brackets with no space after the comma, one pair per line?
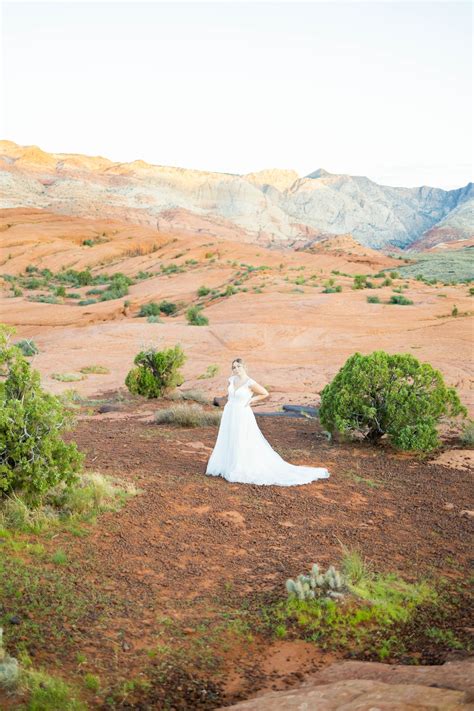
[330,585]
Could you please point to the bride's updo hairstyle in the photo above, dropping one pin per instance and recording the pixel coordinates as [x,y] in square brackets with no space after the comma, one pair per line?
[238,360]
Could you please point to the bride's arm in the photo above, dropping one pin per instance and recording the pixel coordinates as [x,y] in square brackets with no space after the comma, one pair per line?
[261,393]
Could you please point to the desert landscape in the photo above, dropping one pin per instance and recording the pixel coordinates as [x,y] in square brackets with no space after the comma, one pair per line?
[175,599]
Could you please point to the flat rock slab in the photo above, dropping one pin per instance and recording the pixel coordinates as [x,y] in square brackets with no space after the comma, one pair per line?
[358,695]
[360,686]
[451,675]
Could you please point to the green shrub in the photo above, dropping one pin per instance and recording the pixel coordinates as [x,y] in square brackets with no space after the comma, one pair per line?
[150,309]
[203,291]
[27,347]
[156,372]
[396,395]
[60,291]
[210,372]
[34,283]
[467,436]
[373,300]
[387,282]
[33,457]
[94,292]
[359,281]
[96,369]
[195,318]
[44,299]
[394,275]
[400,300]
[187,416]
[67,377]
[454,310]
[153,319]
[167,307]
[86,302]
[143,275]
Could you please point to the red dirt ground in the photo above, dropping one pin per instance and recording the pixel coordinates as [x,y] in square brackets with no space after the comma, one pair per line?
[189,542]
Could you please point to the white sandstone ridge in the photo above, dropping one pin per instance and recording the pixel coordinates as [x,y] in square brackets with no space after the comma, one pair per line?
[269,206]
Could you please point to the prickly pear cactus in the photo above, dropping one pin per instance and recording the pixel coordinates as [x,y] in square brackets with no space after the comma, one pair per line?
[330,585]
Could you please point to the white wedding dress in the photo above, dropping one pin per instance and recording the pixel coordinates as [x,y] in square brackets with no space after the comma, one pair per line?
[242,454]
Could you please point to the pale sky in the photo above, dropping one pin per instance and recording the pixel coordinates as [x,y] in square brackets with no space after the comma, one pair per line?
[382,89]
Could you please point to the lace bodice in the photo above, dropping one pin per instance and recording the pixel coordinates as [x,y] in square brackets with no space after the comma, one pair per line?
[242,392]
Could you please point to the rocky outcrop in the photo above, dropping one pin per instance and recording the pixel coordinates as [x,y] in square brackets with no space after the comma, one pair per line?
[269,207]
[360,686]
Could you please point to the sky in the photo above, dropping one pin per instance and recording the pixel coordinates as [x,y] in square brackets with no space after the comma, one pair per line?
[381,89]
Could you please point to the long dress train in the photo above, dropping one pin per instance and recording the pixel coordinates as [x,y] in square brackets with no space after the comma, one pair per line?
[242,454]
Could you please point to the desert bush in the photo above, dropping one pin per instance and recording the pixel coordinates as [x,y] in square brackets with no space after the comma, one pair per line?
[210,372]
[400,300]
[153,319]
[67,377]
[394,275]
[44,299]
[117,288]
[332,289]
[86,302]
[97,369]
[373,300]
[150,309]
[467,436]
[203,291]
[33,283]
[454,310]
[396,395]
[387,282]
[27,347]
[143,275]
[83,500]
[167,307]
[359,281]
[156,372]
[33,457]
[187,416]
[60,291]
[195,318]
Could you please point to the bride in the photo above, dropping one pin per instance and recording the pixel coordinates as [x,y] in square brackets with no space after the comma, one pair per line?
[241,453]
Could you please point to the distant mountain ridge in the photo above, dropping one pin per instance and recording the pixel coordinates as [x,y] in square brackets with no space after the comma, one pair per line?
[269,206]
